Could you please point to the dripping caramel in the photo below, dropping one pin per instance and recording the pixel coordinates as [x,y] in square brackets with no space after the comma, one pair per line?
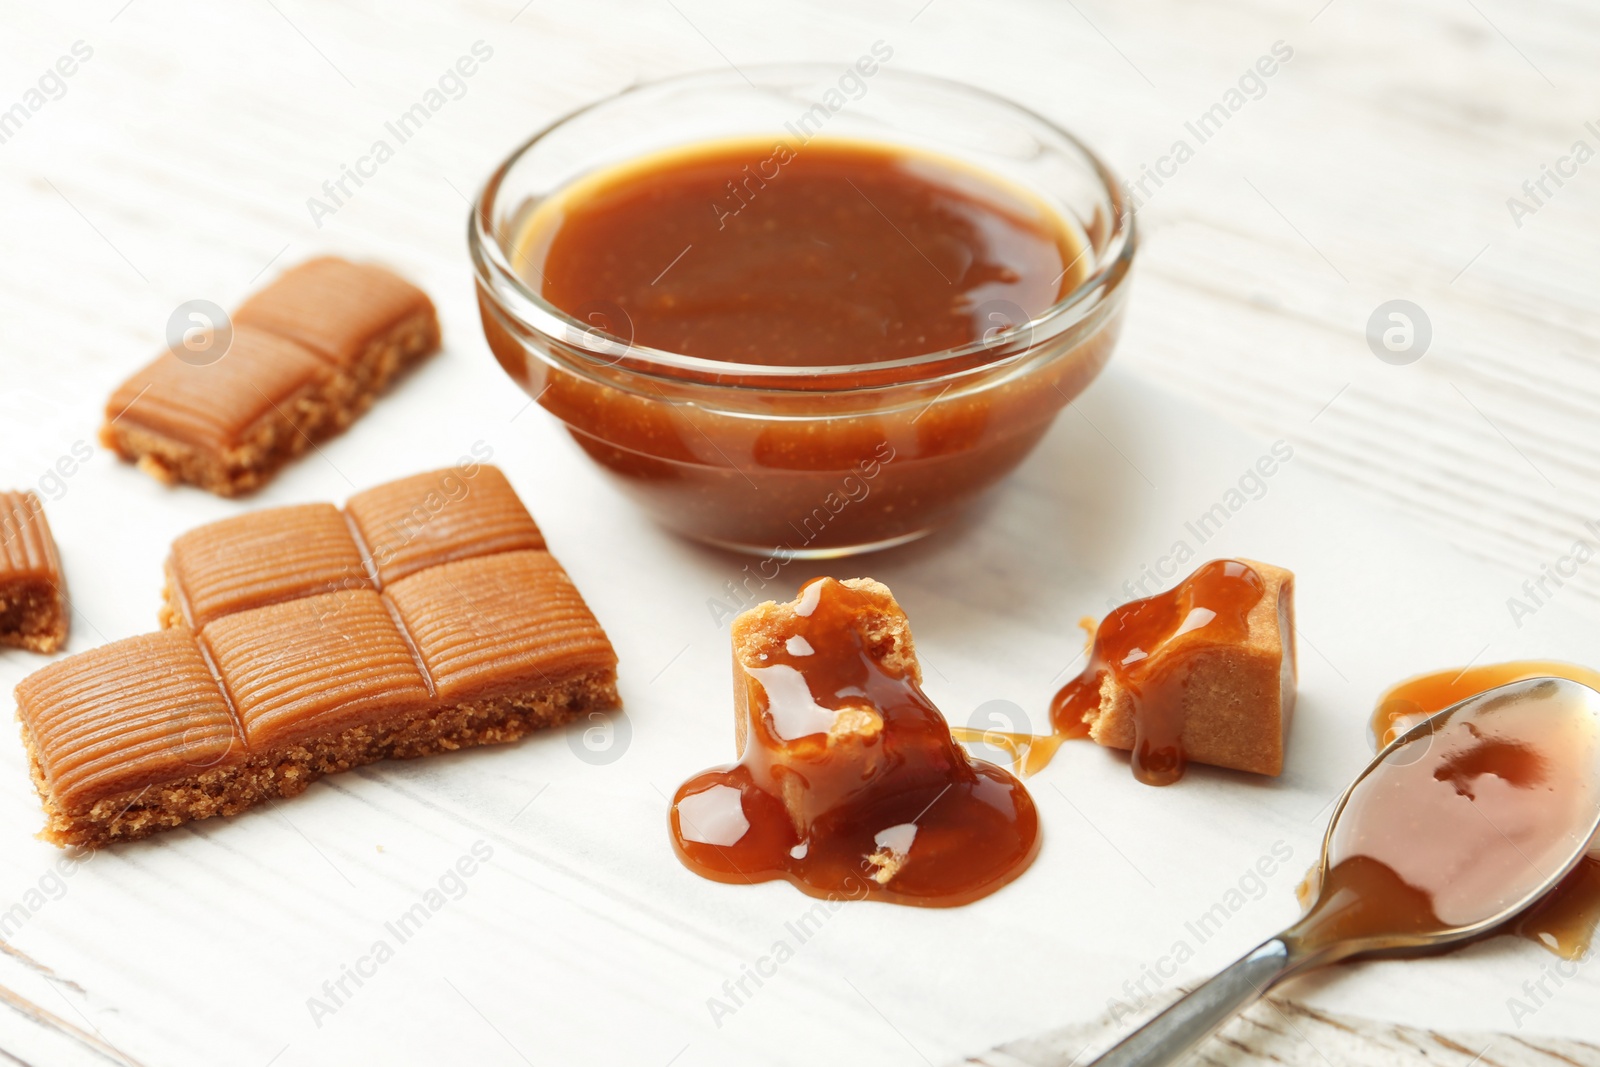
[848,781]
[1203,672]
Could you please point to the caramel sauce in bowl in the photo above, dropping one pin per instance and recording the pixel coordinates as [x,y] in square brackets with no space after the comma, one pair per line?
[800,319]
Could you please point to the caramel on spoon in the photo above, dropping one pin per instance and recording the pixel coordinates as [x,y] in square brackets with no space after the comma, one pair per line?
[1456,826]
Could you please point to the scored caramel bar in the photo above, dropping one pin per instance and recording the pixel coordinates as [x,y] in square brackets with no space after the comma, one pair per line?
[307,669]
[482,626]
[34,612]
[109,723]
[290,655]
[308,355]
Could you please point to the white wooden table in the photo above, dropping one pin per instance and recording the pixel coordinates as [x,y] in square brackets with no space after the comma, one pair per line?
[176,162]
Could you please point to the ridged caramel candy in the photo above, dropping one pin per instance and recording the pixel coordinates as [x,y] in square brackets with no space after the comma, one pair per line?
[124,717]
[262,558]
[34,612]
[307,356]
[338,309]
[485,627]
[221,406]
[438,517]
[314,666]
[284,662]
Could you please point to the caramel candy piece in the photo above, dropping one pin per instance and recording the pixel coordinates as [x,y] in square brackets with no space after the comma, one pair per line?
[848,781]
[1204,672]
[484,627]
[34,612]
[803,730]
[438,517]
[365,320]
[308,355]
[107,726]
[282,644]
[227,425]
[315,666]
[261,558]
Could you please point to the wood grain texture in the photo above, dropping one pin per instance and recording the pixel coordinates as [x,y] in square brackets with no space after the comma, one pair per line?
[1280,1031]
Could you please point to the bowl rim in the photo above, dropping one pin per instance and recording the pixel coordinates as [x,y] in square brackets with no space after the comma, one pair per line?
[497,275]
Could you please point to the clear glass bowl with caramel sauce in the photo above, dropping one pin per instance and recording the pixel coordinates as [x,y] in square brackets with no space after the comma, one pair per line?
[796,416]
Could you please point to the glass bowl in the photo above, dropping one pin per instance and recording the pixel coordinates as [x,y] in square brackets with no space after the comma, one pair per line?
[805,462]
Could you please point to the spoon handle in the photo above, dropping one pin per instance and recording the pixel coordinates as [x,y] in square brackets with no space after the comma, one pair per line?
[1201,1013]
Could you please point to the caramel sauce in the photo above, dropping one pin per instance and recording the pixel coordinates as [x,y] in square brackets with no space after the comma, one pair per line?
[1145,645]
[1403,706]
[842,260]
[839,805]
[1564,921]
[1363,897]
[834,252]
[1029,753]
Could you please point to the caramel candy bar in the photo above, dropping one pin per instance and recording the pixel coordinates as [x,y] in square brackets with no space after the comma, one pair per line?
[365,321]
[291,654]
[308,355]
[34,612]
[483,626]
[1212,681]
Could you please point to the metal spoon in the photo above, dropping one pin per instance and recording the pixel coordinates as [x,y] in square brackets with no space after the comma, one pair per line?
[1475,890]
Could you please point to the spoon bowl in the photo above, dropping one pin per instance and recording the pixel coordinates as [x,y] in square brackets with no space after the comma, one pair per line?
[1457,826]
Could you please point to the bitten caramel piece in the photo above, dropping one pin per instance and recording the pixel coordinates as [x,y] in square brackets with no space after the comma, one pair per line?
[848,780]
[809,734]
[285,662]
[34,612]
[804,731]
[1204,672]
[308,355]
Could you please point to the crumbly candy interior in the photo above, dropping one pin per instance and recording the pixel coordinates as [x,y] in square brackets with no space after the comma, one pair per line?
[34,612]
